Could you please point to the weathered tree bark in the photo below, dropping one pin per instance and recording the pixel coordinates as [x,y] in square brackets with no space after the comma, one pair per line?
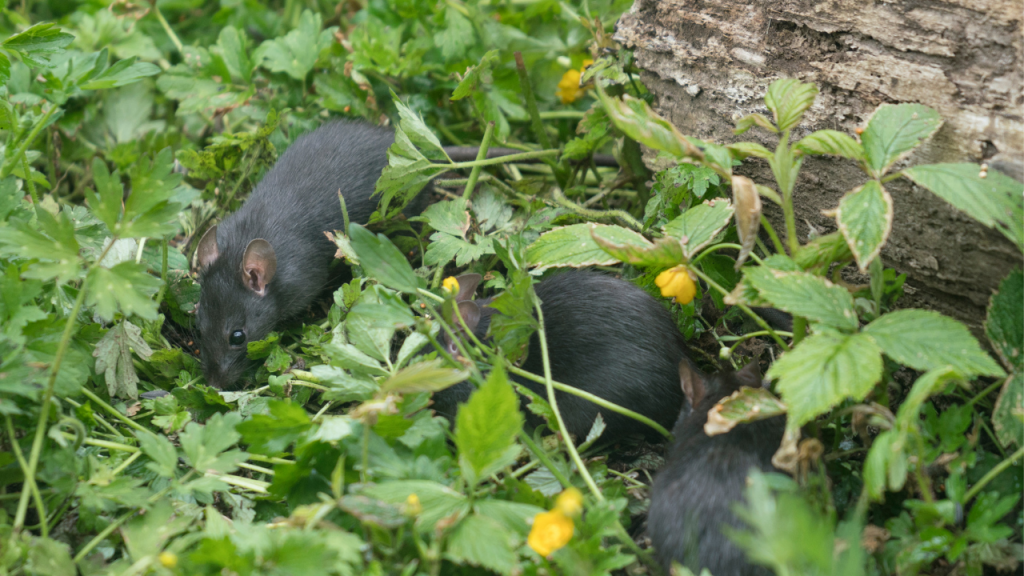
[709,61]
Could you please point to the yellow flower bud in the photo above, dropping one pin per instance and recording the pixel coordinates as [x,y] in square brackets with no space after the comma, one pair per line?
[569,89]
[451,284]
[551,531]
[412,505]
[569,502]
[676,282]
[168,559]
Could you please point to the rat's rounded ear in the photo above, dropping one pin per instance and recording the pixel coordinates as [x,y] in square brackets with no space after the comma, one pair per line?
[470,313]
[258,266]
[693,382]
[467,286]
[750,375]
[208,252]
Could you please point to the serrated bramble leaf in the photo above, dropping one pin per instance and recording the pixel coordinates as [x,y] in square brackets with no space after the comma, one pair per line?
[482,541]
[38,42]
[865,220]
[475,75]
[486,428]
[823,251]
[418,132]
[895,130]
[788,99]
[296,52]
[831,142]
[232,49]
[1004,324]
[744,405]
[699,225]
[806,295]
[825,369]
[1008,414]
[457,37]
[568,246]
[126,287]
[997,201]
[630,247]
[382,260]
[925,340]
[113,355]
[512,328]
[437,500]
[636,119]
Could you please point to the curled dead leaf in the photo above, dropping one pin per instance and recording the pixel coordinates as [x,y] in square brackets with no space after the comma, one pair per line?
[747,203]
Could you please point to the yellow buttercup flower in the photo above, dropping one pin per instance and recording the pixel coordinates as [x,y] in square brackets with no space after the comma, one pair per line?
[570,502]
[412,505]
[168,559]
[676,282]
[451,284]
[569,89]
[551,531]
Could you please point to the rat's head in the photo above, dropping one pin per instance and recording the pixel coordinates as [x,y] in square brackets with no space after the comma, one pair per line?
[468,310]
[235,306]
[699,388]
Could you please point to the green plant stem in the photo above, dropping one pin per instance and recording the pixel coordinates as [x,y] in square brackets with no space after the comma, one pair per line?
[779,248]
[112,411]
[531,102]
[542,456]
[28,177]
[255,468]
[127,462]
[988,390]
[562,114]
[503,159]
[102,421]
[746,309]
[642,554]
[163,274]
[561,200]
[30,479]
[588,396]
[6,171]
[270,459]
[573,454]
[995,471]
[721,246]
[480,155]
[750,335]
[167,28]
[44,410]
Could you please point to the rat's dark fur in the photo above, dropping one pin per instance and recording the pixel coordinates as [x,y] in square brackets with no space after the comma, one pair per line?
[290,208]
[605,336]
[704,475]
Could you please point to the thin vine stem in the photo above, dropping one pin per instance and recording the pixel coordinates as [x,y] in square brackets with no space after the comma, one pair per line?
[112,411]
[6,171]
[29,479]
[991,475]
[561,200]
[480,155]
[573,454]
[44,411]
[760,321]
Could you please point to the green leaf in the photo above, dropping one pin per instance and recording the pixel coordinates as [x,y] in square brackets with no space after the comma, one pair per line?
[632,248]
[162,453]
[741,150]
[865,219]
[831,142]
[825,369]
[744,405]
[39,42]
[788,99]
[894,131]
[296,53]
[371,327]
[699,225]
[125,72]
[475,75]
[382,261]
[925,340]
[5,70]
[429,376]
[206,446]
[1008,414]
[997,201]
[823,251]
[272,434]
[568,246]
[344,387]
[113,355]
[481,541]
[486,428]
[636,120]
[751,120]
[1004,324]
[803,294]
[409,167]
[232,49]
[458,37]
[46,557]
[438,501]
[126,287]
[515,324]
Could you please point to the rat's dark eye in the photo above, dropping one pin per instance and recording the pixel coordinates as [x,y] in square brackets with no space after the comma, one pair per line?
[237,338]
